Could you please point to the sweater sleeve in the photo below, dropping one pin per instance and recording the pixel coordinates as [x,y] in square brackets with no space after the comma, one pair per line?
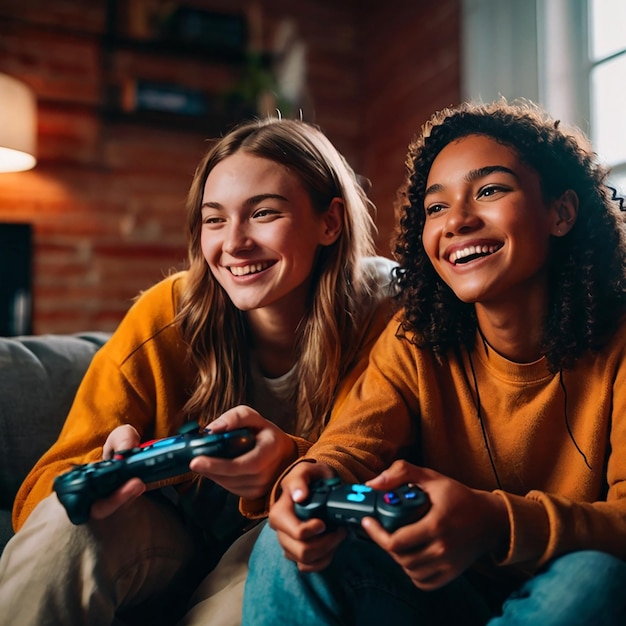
[376,424]
[128,382]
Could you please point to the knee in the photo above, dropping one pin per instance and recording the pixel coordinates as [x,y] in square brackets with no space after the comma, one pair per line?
[584,587]
[598,572]
[48,523]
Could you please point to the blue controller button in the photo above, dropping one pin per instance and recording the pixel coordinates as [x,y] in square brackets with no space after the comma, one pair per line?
[162,443]
[355,497]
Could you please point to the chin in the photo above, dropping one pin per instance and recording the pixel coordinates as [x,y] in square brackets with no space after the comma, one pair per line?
[468,298]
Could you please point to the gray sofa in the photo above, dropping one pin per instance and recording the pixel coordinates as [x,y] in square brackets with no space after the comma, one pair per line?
[39,376]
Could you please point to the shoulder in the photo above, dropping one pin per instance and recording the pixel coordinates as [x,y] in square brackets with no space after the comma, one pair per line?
[379,272]
[163,296]
[150,321]
[615,348]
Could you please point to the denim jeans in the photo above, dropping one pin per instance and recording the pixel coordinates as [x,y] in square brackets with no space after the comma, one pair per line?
[363,585]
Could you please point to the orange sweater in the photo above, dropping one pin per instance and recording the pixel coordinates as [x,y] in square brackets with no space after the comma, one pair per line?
[142,376]
[406,404]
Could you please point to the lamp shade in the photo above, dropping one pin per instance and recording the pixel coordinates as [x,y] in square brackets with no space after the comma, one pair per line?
[18,126]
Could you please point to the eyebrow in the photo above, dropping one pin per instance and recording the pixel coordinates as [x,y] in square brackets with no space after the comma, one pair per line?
[476,174]
[250,201]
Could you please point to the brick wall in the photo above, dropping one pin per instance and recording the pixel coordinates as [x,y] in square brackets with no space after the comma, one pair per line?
[106,198]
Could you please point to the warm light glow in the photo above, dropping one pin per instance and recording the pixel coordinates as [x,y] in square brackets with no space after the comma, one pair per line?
[18,125]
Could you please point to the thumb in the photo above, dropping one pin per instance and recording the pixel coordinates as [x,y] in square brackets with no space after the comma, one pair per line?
[121,438]
[241,416]
[399,473]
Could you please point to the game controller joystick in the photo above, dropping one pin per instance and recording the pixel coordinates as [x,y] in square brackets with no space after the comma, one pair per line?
[153,461]
[347,504]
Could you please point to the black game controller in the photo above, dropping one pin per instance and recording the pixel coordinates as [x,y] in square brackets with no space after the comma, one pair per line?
[347,504]
[152,462]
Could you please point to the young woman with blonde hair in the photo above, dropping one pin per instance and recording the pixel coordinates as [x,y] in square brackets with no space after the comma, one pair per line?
[268,328]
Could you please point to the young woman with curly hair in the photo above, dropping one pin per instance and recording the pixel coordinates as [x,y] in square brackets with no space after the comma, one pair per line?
[500,386]
[267,329]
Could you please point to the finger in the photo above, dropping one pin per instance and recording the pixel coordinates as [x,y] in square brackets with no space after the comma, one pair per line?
[315,552]
[215,466]
[297,481]
[398,473]
[375,531]
[284,521]
[126,493]
[123,437]
[423,569]
[316,566]
[241,416]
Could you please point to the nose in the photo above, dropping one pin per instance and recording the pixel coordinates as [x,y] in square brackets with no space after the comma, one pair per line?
[460,218]
[237,238]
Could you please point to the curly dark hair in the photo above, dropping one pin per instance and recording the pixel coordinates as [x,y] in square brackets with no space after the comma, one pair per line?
[586,273]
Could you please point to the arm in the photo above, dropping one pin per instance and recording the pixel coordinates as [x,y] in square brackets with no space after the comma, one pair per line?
[377,423]
[130,380]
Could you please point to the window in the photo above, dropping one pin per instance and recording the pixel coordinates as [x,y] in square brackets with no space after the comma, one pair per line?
[568,55]
[607,75]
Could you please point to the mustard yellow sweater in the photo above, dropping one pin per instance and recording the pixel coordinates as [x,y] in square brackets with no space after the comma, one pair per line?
[407,404]
[142,376]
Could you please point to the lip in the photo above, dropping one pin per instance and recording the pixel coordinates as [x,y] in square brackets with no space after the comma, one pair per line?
[468,252]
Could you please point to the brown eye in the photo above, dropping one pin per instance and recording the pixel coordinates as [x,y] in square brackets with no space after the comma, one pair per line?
[490,190]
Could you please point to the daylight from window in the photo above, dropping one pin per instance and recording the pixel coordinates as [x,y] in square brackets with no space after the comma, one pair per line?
[607,51]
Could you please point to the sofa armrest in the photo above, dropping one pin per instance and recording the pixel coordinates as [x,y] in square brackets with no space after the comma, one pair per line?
[39,376]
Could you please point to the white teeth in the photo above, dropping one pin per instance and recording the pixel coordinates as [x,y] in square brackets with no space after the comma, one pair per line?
[244,270]
[472,250]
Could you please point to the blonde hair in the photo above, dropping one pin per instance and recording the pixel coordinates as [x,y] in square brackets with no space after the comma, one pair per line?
[329,335]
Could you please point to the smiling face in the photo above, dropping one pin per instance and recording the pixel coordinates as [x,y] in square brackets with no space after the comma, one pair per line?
[260,233]
[487,226]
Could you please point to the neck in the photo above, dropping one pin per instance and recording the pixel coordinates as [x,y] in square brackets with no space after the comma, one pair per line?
[274,341]
[514,334]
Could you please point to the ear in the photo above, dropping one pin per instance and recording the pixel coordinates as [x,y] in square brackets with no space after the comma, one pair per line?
[565,213]
[332,222]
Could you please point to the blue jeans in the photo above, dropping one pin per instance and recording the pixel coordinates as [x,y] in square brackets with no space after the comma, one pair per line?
[363,585]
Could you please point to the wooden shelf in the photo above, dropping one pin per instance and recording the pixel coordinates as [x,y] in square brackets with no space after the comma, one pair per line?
[143,100]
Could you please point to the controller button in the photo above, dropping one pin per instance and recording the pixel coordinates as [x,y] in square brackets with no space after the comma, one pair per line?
[390,497]
[160,443]
[124,454]
[355,497]
[410,495]
[92,467]
[361,488]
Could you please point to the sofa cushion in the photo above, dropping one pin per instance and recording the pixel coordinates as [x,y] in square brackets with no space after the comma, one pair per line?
[39,376]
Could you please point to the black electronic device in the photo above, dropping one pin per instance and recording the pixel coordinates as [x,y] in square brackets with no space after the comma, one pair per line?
[347,504]
[152,462]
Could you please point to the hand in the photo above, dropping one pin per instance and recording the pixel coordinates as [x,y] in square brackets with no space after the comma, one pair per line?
[305,542]
[121,438]
[128,492]
[461,526]
[251,475]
